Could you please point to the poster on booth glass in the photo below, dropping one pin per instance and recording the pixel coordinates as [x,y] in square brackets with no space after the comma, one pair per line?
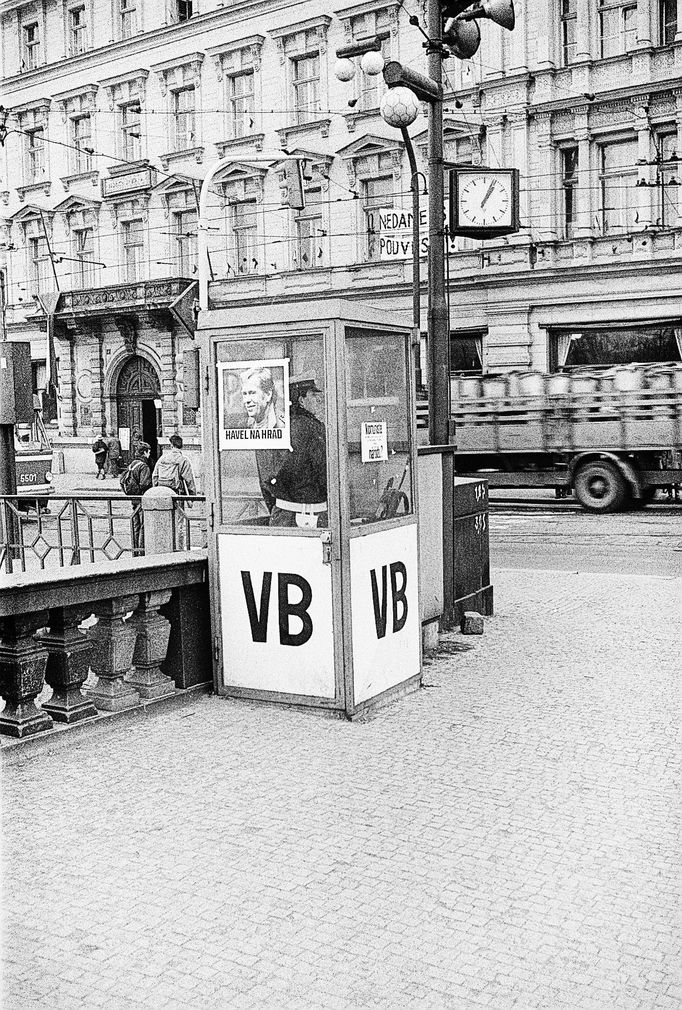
[253,404]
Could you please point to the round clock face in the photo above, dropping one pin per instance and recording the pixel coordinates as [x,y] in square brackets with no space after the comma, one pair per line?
[485,201]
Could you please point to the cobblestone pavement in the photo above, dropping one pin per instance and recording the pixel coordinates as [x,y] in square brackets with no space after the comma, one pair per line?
[506,837]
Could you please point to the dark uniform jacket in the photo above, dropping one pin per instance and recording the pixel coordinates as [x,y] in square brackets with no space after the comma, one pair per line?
[299,474]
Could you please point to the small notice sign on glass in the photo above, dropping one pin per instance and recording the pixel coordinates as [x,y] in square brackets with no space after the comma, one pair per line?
[373,441]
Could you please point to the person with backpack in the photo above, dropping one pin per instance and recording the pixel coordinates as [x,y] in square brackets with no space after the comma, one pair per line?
[135,480]
[174,470]
[99,447]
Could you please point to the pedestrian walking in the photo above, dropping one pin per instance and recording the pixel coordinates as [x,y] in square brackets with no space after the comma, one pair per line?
[174,470]
[99,447]
[113,455]
[135,480]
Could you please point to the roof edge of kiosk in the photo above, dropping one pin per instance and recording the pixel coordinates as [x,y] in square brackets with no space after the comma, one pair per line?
[343,309]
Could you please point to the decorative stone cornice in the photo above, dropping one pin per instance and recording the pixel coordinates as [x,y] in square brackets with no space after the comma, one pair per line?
[173,157]
[34,189]
[238,144]
[221,54]
[80,177]
[288,134]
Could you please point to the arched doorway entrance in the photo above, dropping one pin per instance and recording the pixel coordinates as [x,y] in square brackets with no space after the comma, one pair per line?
[137,388]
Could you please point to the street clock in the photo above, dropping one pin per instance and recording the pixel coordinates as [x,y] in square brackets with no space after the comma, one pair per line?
[484,202]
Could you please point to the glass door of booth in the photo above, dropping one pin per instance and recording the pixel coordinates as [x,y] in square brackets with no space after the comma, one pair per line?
[272,517]
[381,574]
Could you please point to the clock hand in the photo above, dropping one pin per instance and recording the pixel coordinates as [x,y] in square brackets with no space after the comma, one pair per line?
[491,187]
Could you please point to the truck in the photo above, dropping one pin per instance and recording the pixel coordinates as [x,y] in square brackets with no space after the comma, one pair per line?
[611,436]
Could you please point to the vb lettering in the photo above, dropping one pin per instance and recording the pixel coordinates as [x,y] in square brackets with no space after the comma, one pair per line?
[288,609]
[396,573]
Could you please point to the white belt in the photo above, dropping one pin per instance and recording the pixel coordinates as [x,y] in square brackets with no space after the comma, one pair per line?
[305,507]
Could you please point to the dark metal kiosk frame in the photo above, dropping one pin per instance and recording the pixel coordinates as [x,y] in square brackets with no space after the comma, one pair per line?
[314,603]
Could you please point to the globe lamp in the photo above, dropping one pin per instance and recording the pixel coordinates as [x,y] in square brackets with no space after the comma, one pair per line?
[399,107]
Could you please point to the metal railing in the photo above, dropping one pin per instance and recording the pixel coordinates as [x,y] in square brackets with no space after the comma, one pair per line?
[41,533]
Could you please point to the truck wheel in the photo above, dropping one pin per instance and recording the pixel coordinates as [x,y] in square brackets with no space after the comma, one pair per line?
[600,487]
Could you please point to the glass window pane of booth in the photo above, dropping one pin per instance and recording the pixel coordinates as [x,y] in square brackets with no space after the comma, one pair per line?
[272,433]
[378,426]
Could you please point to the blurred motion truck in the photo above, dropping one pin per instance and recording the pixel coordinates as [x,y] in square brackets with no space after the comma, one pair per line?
[611,436]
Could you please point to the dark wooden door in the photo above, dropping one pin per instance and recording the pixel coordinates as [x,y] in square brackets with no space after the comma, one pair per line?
[137,388]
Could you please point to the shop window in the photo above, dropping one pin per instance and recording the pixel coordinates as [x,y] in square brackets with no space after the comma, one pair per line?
[466,353]
[618,176]
[622,345]
[617,27]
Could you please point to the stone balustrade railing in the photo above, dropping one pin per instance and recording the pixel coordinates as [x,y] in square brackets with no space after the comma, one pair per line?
[135,630]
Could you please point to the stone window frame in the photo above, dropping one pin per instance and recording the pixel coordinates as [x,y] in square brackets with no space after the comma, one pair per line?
[120,9]
[620,6]
[362,159]
[122,91]
[180,74]
[241,184]
[349,18]
[69,7]
[305,38]
[80,215]
[75,104]
[33,225]
[31,117]
[320,168]
[179,197]
[601,140]
[31,51]
[232,59]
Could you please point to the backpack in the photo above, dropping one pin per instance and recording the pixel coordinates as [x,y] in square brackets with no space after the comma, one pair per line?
[168,475]
[129,481]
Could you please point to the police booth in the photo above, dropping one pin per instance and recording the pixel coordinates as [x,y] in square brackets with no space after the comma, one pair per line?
[311,481]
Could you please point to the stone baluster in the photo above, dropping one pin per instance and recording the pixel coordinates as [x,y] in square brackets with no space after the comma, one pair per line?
[153,632]
[23,658]
[114,644]
[67,664]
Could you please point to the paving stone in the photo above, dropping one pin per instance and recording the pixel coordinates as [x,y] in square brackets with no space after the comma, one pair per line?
[504,839]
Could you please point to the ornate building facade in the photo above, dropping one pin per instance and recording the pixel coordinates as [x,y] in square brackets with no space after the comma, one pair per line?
[116,109]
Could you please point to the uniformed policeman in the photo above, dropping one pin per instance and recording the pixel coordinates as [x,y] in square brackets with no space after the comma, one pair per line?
[296,491]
